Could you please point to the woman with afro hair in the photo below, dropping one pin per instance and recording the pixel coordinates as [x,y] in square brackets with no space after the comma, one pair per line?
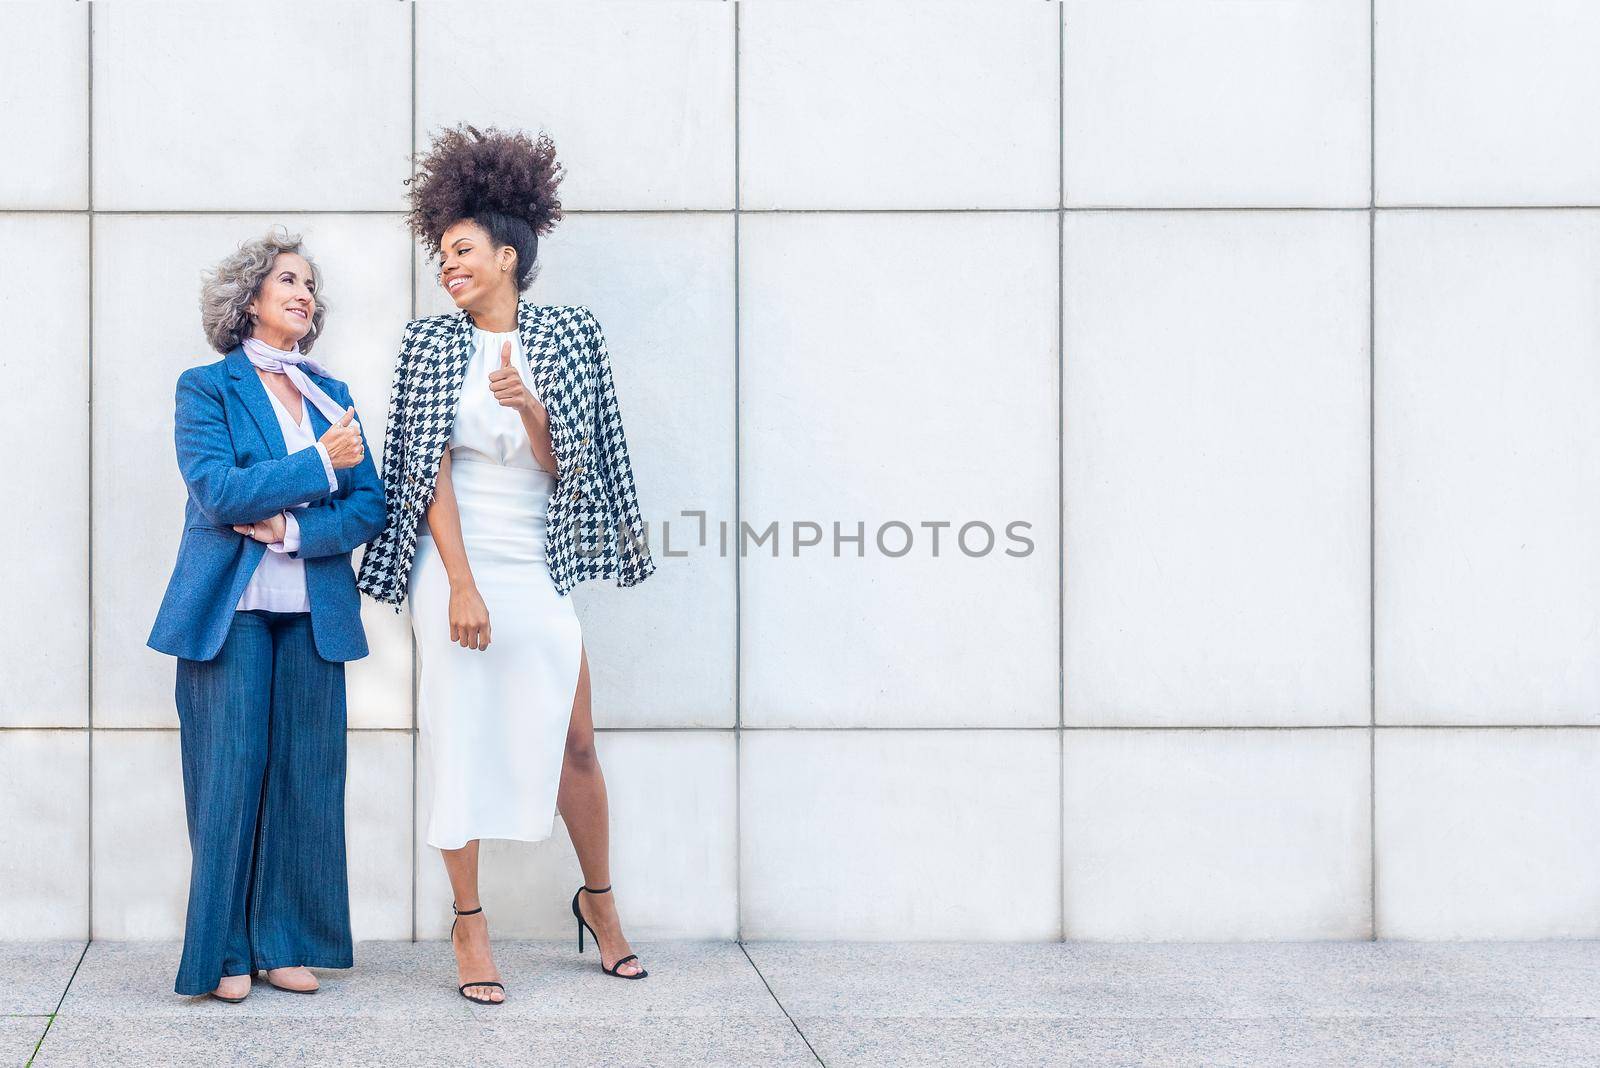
[508,482]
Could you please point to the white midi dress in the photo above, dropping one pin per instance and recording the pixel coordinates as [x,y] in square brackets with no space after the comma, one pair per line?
[494,723]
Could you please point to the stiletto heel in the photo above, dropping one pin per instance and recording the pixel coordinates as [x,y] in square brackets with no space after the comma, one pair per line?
[487,982]
[582,923]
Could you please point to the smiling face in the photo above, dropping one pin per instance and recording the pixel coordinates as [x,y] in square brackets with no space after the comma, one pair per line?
[282,308]
[471,269]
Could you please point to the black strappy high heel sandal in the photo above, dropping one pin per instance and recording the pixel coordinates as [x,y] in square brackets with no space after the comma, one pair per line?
[464,986]
[582,923]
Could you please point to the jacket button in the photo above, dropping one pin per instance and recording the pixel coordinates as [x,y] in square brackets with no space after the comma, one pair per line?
[586,441]
[578,470]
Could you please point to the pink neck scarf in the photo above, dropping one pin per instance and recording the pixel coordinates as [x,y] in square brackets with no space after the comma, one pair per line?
[289,362]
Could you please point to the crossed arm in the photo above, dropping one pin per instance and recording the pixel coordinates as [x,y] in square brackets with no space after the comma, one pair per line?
[342,524]
[230,495]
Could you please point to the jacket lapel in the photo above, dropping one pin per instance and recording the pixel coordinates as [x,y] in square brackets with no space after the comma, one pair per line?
[450,348]
[543,355]
[442,369]
[253,395]
[534,332]
[319,422]
[451,359]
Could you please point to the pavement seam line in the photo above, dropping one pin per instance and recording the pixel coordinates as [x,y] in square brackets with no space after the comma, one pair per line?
[37,1046]
[63,998]
[51,1022]
[775,1001]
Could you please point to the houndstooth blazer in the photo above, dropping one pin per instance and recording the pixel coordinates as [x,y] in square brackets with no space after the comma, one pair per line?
[593,527]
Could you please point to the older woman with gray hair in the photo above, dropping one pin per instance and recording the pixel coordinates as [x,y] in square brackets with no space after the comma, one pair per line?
[262,613]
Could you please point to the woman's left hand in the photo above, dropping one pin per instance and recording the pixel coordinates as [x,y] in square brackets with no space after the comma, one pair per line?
[505,382]
[267,531]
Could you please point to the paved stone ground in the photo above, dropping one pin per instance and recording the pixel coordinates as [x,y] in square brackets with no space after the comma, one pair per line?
[783,1003]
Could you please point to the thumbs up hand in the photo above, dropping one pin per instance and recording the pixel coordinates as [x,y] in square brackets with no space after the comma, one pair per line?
[343,441]
[505,383]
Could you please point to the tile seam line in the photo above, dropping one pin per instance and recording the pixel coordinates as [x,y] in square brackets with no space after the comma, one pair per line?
[863,210]
[738,578]
[62,1000]
[88,20]
[1372,466]
[770,993]
[1223,209]
[1061,473]
[993,728]
[411,678]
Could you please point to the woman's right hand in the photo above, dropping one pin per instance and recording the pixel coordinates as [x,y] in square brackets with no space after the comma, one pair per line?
[469,618]
[343,442]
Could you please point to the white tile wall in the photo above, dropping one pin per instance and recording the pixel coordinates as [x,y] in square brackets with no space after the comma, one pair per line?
[1214,836]
[1215,459]
[1217,103]
[296,106]
[893,104]
[1487,833]
[147,331]
[44,835]
[140,838]
[672,802]
[378,691]
[636,96]
[1487,102]
[899,368]
[1488,534]
[378,833]
[45,118]
[837,286]
[900,834]
[44,434]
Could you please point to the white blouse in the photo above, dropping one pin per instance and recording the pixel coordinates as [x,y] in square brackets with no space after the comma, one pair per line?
[486,430]
[279,581]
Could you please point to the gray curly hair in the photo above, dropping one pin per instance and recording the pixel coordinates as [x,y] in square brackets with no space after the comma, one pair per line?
[228,288]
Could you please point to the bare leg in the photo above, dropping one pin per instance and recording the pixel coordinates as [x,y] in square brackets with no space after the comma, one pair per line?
[582,801]
[471,935]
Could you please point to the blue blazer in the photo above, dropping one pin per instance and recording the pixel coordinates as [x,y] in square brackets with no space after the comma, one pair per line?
[233,459]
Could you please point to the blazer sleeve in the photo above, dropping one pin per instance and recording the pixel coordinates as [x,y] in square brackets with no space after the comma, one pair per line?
[225,493]
[397,437]
[376,577]
[616,469]
[347,522]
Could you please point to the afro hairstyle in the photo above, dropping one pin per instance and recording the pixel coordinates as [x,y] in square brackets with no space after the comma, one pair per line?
[503,181]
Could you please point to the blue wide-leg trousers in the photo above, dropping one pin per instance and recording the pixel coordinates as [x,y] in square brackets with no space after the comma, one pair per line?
[263,737]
